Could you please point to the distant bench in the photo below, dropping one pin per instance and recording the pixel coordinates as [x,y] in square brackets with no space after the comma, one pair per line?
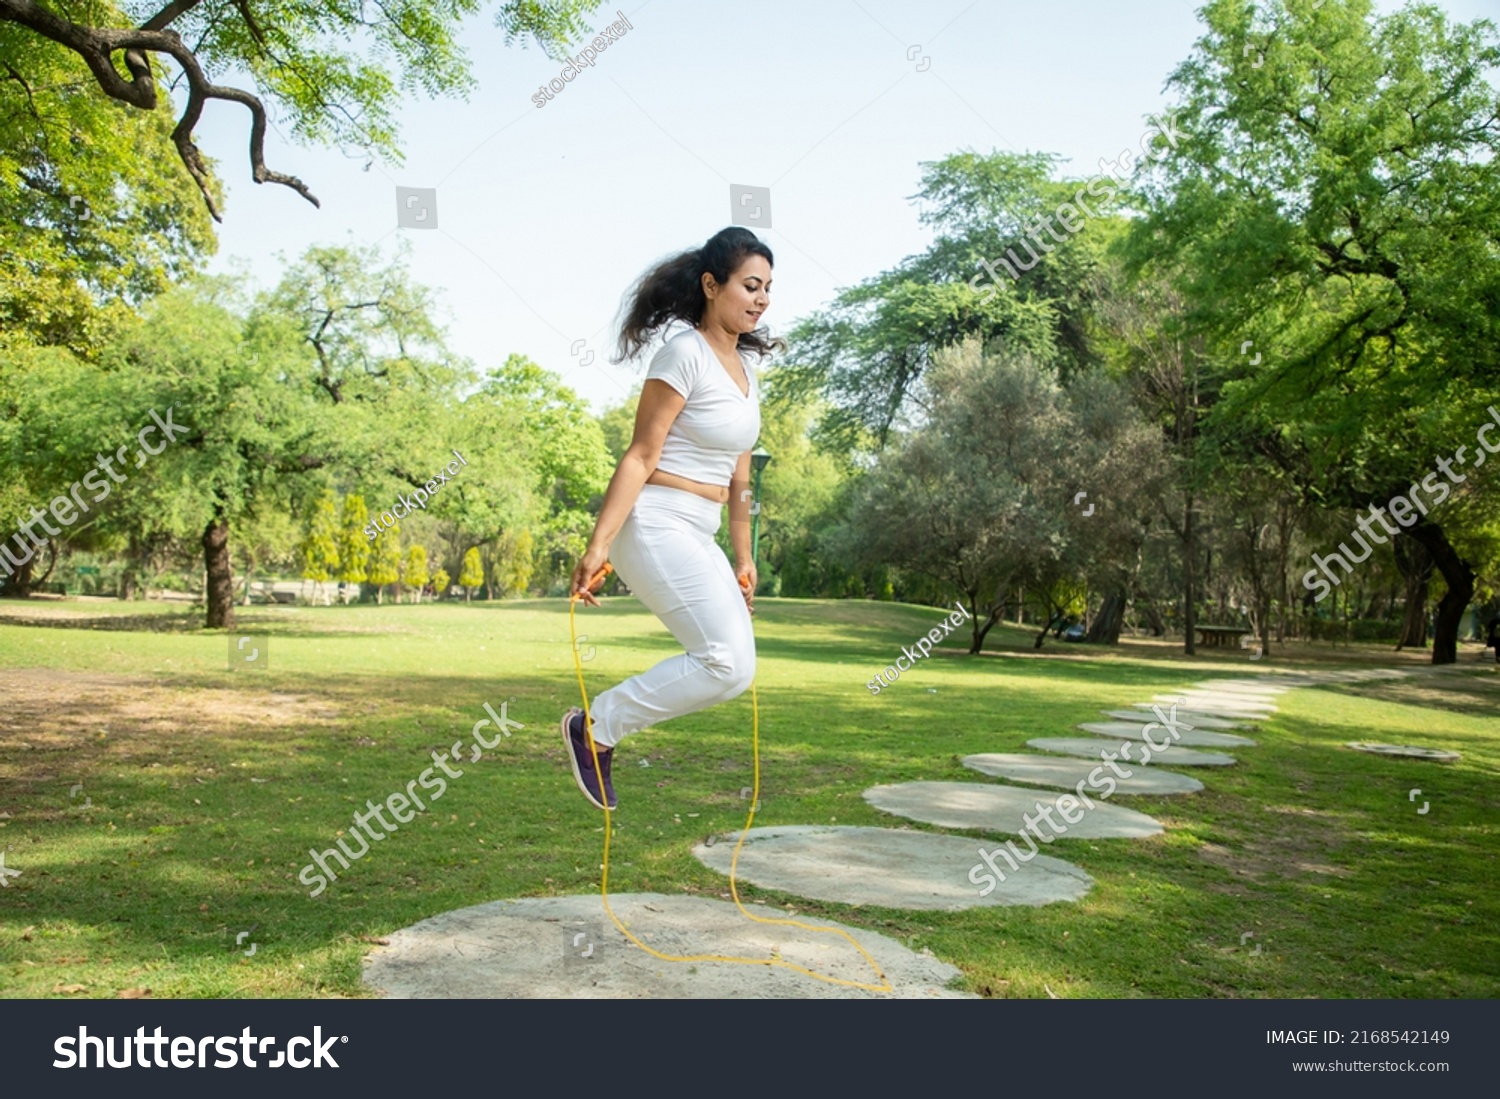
[1221,635]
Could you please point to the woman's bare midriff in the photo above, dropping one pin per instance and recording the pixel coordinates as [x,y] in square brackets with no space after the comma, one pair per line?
[717,493]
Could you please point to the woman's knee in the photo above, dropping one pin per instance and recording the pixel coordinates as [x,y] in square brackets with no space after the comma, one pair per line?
[734,669]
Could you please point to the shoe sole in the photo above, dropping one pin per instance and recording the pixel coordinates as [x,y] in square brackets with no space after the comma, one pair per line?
[573,759]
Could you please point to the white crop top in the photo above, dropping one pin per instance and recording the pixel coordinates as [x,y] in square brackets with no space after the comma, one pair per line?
[718,424]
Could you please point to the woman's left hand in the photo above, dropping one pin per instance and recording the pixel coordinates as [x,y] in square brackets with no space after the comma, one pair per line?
[748,579]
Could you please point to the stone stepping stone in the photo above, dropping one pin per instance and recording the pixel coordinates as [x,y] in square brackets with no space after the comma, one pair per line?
[1068,773]
[1207,700]
[566,947]
[1405,751]
[1361,677]
[1268,684]
[1185,738]
[1092,747]
[1243,686]
[1186,717]
[1238,697]
[886,867]
[1230,713]
[990,808]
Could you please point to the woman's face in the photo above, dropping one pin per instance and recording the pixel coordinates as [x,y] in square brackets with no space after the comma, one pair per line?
[737,305]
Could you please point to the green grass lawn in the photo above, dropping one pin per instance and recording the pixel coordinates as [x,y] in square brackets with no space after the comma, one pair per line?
[206,787]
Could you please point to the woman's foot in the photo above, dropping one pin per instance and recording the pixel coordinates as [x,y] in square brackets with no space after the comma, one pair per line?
[582,759]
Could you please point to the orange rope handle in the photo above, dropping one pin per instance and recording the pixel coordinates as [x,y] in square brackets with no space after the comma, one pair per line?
[885,984]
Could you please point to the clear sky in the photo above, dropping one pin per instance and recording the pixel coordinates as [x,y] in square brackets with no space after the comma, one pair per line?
[546,215]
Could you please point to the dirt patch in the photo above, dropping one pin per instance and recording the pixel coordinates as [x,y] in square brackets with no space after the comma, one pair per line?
[129,623]
[1471,694]
[53,720]
[1285,850]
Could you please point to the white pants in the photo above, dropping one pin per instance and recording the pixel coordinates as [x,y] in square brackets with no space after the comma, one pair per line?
[667,556]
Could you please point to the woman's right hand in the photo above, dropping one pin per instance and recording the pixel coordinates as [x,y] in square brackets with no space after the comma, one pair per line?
[588,567]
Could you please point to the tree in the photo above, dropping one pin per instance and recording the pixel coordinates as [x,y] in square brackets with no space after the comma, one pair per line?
[414,573]
[1335,204]
[537,463]
[511,565]
[386,566]
[320,547]
[266,537]
[867,353]
[802,490]
[618,424]
[94,218]
[354,545]
[320,63]
[473,573]
[440,583]
[984,499]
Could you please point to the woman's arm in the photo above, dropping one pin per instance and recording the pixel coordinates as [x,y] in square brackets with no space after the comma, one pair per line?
[659,406]
[740,504]
[739,512]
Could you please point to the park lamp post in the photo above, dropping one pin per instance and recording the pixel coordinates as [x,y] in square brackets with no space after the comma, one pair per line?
[759,459]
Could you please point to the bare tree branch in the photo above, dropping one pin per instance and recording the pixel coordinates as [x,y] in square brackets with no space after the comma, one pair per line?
[97,45]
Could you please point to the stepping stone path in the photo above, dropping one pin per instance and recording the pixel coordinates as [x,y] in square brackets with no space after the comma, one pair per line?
[552,947]
[566,947]
[886,867]
[986,807]
[1067,772]
[1407,751]
[1186,738]
[1092,747]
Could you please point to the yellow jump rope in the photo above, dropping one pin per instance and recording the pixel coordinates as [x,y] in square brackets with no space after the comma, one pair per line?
[883,986]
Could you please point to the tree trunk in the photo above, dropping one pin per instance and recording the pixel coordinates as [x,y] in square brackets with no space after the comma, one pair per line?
[1055,616]
[18,585]
[249,575]
[1152,615]
[1416,567]
[219,596]
[1189,553]
[1109,620]
[1460,579]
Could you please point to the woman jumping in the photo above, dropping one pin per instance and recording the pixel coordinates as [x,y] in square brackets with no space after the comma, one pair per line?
[698,418]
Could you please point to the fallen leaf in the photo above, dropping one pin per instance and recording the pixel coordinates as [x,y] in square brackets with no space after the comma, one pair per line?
[134,993]
[373,939]
[70,988]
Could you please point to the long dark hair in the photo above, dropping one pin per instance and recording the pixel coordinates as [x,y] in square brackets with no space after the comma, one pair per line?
[673,291]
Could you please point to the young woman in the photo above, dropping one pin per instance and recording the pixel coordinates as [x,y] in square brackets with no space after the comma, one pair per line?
[698,419]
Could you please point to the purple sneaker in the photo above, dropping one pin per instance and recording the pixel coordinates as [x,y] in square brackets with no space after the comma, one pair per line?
[583,760]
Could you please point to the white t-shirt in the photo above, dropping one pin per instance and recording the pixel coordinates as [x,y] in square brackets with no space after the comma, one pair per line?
[719,423]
